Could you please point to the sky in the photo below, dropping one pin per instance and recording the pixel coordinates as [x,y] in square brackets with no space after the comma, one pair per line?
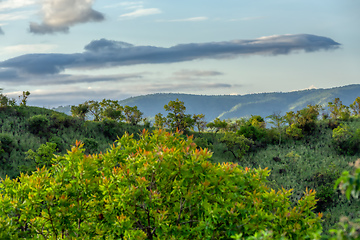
[66,52]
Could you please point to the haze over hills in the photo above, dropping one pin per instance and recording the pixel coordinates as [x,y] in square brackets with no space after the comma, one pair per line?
[237,106]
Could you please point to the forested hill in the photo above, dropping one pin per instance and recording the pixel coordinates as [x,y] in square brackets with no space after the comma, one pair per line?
[229,106]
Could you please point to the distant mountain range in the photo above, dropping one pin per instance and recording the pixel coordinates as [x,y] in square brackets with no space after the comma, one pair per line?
[237,106]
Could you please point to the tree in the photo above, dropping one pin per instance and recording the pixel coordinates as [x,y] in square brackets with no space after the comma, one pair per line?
[80,111]
[306,118]
[257,121]
[160,121]
[39,124]
[132,115]
[290,117]
[6,101]
[355,106]
[23,98]
[237,144]
[199,122]
[95,109]
[176,119]
[158,187]
[339,110]
[111,109]
[294,131]
[218,125]
[278,121]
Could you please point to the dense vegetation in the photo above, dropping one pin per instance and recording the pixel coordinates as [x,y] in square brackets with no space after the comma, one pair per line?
[304,149]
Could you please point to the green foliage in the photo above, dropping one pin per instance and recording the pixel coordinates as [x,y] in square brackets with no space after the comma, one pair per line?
[306,118]
[43,157]
[176,119]
[218,125]
[60,145]
[80,111]
[237,144]
[91,145]
[160,121]
[38,124]
[111,109]
[339,110]
[23,98]
[111,129]
[278,122]
[350,186]
[60,121]
[294,132]
[199,122]
[6,142]
[355,106]
[253,132]
[5,101]
[257,121]
[324,181]
[346,140]
[132,115]
[160,186]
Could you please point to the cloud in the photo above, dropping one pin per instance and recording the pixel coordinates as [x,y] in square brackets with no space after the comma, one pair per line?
[1,31]
[15,15]
[140,13]
[191,74]
[60,15]
[27,48]
[193,19]
[14,4]
[157,88]
[71,96]
[105,53]
[126,5]
[197,73]
[14,77]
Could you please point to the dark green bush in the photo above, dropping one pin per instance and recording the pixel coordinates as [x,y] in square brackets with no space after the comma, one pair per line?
[346,140]
[91,145]
[60,144]
[252,132]
[111,129]
[7,142]
[39,124]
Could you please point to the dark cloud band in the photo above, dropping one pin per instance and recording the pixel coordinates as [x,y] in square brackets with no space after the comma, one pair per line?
[105,53]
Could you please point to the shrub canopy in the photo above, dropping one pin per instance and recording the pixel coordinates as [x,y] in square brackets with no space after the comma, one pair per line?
[158,187]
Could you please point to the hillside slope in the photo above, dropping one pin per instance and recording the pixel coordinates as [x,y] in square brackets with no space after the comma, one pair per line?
[228,106]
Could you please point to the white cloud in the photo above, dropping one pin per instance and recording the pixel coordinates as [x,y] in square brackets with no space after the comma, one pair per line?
[126,5]
[59,15]
[14,4]
[15,15]
[246,19]
[141,13]
[193,19]
[27,48]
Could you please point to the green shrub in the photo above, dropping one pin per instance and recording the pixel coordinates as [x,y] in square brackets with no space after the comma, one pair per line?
[345,140]
[60,144]
[294,132]
[38,124]
[160,186]
[7,142]
[91,145]
[111,129]
[252,132]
